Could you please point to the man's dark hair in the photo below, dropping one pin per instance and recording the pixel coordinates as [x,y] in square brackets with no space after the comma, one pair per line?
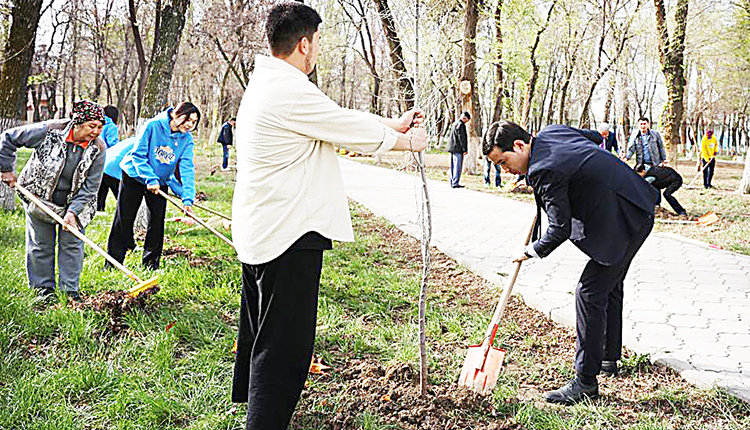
[643,118]
[232,119]
[639,168]
[502,134]
[287,24]
[111,112]
[187,109]
[466,114]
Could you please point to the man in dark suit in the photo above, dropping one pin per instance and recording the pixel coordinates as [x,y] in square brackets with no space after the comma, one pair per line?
[604,208]
[458,147]
[664,178]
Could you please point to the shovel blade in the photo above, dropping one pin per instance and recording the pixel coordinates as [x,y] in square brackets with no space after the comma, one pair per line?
[708,219]
[480,371]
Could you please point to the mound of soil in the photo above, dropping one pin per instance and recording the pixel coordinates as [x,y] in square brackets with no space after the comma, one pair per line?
[115,304]
[393,393]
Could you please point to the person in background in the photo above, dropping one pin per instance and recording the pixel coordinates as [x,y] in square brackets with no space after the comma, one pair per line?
[664,178]
[64,172]
[458,147]
[709,149]
[599,204]
[610,140]
[488,174]
[226,138]
[291,201]
[110,137]
[647,146]
[162,143]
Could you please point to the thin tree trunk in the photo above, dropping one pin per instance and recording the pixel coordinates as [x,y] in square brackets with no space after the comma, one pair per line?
[531,85]
[470,99]
[671,57]
[405,84]
[164,56]
[497,113]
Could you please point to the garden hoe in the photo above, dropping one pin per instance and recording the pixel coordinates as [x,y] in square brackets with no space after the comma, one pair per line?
[198,220]
[134,291]
[483,362]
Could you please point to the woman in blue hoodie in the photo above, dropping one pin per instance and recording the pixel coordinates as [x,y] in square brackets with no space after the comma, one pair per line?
[162,143]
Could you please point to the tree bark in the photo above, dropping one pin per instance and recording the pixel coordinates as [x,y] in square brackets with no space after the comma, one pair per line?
[671,57]
[470,100]
[171,21]
[17,56]
[142,63]
[405,84]
[497,113]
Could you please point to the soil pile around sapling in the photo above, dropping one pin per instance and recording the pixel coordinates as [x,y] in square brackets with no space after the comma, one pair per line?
[394,395]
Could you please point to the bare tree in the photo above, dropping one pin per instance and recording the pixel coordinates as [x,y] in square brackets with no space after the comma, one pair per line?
[405,83]
[531,85]
[671,56]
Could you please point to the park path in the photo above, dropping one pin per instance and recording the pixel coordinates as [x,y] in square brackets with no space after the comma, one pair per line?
[686,304]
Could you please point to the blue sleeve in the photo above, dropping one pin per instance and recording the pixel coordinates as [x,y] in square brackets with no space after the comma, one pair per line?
[187,174]
[110,137]
[140,155]
[175,186]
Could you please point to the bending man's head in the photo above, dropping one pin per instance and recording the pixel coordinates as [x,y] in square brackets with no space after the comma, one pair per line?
[508,145]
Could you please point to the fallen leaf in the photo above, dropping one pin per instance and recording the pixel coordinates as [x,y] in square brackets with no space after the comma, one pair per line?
[385,398]
[318,367]
[170,325]
[234,347]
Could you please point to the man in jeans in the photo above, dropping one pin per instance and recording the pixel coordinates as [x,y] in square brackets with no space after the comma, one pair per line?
[226,138]
[458,147]
[647,146]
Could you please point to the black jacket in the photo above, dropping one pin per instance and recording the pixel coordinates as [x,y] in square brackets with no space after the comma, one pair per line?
[225,135]
[458,140]
[663,176]
[591,197]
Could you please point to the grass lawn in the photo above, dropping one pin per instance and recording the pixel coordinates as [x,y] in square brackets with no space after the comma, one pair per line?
[732,232]
[166,362]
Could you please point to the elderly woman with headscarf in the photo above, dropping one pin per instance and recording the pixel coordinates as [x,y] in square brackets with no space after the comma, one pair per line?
[64,171]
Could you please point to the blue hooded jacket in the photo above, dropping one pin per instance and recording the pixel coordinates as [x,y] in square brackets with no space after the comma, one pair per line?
[115,155]
[157,151]
[110,132]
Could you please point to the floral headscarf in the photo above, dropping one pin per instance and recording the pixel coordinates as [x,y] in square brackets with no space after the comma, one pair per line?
[85,110]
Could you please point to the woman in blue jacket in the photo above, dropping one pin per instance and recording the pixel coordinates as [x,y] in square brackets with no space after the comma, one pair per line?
[161,144]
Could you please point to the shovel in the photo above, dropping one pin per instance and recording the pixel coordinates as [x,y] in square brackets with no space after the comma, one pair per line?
[141,285]
[707,219]
[198,220]
[483,362]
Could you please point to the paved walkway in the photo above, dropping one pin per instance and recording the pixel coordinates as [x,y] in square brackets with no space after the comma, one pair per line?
[686,304]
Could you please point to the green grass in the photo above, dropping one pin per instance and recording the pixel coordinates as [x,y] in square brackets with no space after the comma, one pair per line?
[63,368]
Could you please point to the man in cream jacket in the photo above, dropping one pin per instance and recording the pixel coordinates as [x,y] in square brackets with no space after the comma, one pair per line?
[289,204]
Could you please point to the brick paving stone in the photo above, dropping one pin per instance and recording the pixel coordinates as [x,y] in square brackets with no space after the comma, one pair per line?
[698,334]
[687,321]
[645,316]
[728,327]
[734,339]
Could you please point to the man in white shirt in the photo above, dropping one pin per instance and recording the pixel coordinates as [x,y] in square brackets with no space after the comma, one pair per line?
[289,204]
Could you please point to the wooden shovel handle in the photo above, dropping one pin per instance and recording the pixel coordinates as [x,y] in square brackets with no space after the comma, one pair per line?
[198,220]
[499,310]
[77,233]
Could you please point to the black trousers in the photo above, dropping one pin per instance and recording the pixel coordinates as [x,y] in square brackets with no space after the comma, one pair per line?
[108,184]
[708,172]
[673,186]
[129,200]
[599,309]
[276,336]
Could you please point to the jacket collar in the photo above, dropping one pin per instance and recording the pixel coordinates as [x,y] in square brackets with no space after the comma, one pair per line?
[273,63]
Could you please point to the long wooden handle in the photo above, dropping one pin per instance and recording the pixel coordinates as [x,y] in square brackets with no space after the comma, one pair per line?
[500,308]
[209,210]
[198,220]
[77,233]
[698,174]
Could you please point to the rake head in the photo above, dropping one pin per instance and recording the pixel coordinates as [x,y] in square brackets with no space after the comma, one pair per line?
[143,286]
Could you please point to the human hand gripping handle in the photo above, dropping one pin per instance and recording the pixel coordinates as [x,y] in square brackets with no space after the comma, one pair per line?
[154,188]
[410,119]
[8,178]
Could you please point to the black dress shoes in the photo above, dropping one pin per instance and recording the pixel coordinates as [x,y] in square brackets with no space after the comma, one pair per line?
[573,392]
[609,368]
